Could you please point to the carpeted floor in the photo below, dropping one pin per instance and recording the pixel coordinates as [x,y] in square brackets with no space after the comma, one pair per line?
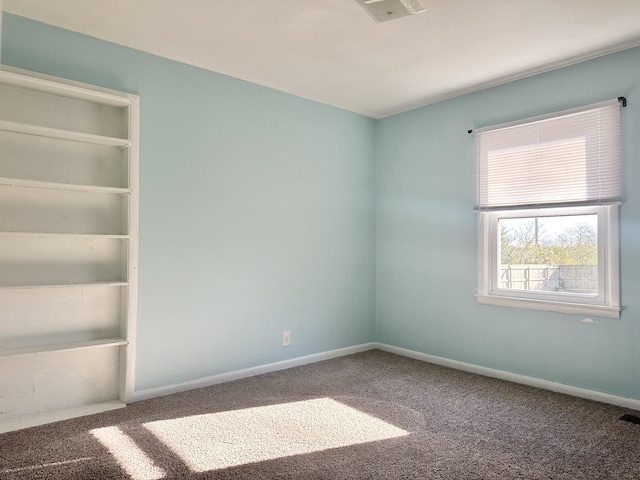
[372,415]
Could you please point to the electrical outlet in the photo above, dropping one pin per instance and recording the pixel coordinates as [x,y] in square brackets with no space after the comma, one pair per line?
[286,339]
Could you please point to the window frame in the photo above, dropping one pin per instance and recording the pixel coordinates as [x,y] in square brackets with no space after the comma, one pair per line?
[605,304]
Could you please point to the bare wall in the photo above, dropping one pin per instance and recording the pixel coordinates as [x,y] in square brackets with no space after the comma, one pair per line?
[427,240]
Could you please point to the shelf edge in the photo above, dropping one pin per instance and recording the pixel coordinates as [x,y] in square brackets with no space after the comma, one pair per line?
[62,89]
[69,187]
[66,285]
[10,353]
[97,236]
[40,131]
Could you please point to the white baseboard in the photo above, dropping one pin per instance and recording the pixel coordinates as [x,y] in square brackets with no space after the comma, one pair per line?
[445,362]
[39,419]
[249,372]
[514,377]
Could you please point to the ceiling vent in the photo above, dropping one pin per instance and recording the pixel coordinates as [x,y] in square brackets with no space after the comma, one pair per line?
[385,10]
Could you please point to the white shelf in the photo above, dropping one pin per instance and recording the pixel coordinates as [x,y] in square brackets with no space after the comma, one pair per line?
[69,91]
[51,255]
[61,347]
[19,182]
[63,134]
[88,236]
[34,420]
[68,285]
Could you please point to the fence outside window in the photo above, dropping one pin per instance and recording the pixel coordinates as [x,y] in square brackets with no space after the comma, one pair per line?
[551,278]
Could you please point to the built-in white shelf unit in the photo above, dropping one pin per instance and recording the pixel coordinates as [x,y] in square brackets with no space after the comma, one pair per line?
[68,247]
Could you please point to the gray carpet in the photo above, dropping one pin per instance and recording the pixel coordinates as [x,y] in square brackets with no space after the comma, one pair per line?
[372,415]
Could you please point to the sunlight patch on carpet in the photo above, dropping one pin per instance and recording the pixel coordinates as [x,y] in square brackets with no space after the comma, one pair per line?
[238,437]
[129,456]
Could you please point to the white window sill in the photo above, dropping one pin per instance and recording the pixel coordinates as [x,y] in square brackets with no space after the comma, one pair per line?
[550,306]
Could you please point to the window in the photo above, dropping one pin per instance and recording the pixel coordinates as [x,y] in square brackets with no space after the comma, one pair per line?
[547,195]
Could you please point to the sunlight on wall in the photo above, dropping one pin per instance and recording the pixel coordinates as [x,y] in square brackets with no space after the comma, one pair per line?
[227,439]
[128,455]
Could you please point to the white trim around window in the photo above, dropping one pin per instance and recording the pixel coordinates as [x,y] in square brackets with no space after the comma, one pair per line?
[606,303]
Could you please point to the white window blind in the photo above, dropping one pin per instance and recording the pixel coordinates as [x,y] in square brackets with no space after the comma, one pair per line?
[569,158]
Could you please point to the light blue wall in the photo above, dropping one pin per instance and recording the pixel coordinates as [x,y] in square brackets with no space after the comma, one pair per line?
[426,237]
[258,215]
[257,210]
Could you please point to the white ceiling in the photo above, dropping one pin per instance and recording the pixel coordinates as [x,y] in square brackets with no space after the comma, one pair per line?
[333,52]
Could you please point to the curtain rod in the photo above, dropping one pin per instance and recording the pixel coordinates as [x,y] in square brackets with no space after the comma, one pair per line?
[621,100]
